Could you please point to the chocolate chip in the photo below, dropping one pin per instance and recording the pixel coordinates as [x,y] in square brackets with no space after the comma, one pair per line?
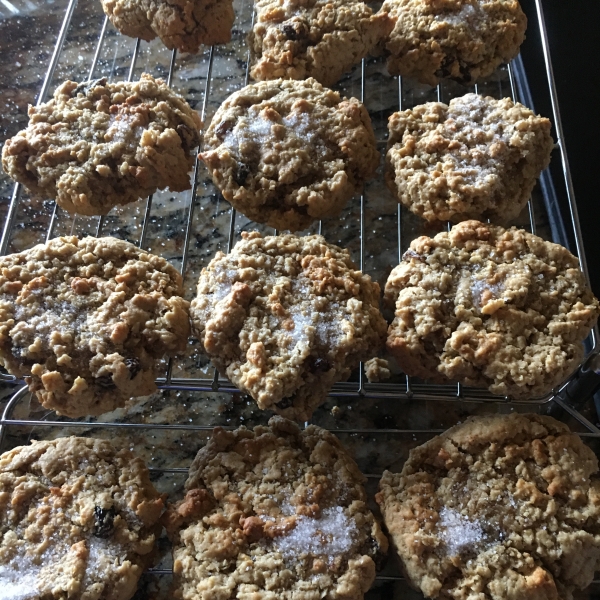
[241,174]
[133,364]
[103,521]
[105,381]
[289,32]
[317,365]
[223,128]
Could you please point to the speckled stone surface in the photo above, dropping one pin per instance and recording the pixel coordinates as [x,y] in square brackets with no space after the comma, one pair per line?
[27,40]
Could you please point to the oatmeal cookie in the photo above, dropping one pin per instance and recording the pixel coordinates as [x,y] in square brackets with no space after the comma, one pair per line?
[96,145]
[86,320]
[287,153]
[181,24]
[274,513]
[285,317]
[298,39]
[504,506]
[464,40]
[490,307]
[476,158]
[79,520]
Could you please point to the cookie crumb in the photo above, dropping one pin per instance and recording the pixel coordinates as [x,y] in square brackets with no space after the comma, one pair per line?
[377,369]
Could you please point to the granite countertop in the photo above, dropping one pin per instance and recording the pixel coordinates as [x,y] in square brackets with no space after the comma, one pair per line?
[26,41]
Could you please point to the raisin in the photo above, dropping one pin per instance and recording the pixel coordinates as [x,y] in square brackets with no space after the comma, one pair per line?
[466,75]
[241,174]
[133,364]
[373,549]
[289,32]
[85,86]
[223,128]
[445,69]
[188,137]
[103,521]
[105,381]
[286,402]
[412,254]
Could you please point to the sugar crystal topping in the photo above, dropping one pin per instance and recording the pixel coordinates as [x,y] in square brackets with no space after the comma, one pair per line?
[470,14]
[18,584]
[330,535]
[459,533]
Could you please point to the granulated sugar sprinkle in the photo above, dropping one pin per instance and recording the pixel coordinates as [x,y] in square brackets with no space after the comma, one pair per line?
[330,535]
[458,532]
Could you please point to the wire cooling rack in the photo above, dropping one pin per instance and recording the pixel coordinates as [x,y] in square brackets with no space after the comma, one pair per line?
[188,228]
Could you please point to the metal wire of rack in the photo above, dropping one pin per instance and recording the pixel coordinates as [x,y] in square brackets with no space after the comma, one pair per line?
[174,378]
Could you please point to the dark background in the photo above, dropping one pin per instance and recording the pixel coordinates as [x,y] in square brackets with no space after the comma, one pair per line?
[574,37]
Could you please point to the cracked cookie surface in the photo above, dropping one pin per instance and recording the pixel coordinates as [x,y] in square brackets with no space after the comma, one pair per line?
[97,145]
[489,307]
[286,153]
[284,317]
[464,40]
[79,519]
[182,24]
[504,506]
[274,512]
[315,38]
[475,158]
[85,321]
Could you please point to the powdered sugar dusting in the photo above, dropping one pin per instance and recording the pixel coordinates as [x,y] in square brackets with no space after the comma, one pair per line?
[330,535]
[458,532]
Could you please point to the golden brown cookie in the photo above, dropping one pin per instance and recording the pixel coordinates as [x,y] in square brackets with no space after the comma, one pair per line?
[464,40]
[274,512]
[504,506]
[284,317]
[315,38]
[489,307]
[85,321]
[287,153]
[79,520]
[476,158]
[97,145]
[181,24]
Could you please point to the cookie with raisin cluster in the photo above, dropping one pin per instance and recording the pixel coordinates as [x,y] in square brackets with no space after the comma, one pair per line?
[79,519]
[86,321]
[97,145]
